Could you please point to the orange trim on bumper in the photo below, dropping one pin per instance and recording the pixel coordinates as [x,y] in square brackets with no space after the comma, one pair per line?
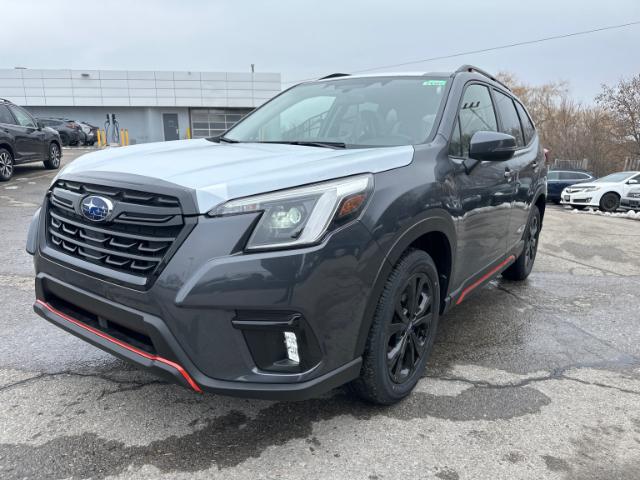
[484,278]
[124,345]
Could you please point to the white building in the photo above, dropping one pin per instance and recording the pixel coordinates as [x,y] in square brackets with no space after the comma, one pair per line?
[152,105]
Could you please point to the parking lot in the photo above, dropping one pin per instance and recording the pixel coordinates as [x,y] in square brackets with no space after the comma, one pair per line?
[533,380]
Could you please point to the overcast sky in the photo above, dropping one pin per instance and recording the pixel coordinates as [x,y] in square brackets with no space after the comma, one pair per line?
[309,38]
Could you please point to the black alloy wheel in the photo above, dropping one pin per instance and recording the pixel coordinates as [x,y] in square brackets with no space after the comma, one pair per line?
[402,332]
[6,165]
[53,161]
[609,202]
[409,329]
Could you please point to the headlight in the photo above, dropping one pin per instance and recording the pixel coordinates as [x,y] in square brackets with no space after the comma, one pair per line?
[301,216]
[589,189]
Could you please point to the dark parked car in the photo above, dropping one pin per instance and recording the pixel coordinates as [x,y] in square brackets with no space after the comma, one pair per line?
[558,180]
[70,131]
[24,140]
[316,243]
[89,133]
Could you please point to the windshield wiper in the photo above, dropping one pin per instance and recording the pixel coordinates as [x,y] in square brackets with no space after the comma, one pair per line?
[227,140]
[310,143]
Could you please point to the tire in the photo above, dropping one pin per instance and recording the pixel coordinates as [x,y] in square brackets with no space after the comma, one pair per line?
[523,265]
[64,138]
[53,160]
[397,335]
[609,202]
[6,165]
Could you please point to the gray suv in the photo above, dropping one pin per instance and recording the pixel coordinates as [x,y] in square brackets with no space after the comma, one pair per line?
[316,243]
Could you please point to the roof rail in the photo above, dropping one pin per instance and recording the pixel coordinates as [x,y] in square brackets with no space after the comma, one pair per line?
[335,75]
[471,68]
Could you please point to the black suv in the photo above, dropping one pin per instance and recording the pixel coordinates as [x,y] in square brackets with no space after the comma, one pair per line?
[24,140]
[70,131]
[315,243]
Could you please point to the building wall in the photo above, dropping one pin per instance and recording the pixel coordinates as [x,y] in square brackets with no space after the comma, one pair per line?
[144,123]
[139,98]
[112,88]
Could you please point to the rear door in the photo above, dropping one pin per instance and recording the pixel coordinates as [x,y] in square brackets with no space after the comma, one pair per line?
[29,139]
[11,129]
[523,168]
[485,193]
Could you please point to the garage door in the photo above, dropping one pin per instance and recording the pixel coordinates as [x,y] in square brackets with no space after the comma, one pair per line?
[209,122]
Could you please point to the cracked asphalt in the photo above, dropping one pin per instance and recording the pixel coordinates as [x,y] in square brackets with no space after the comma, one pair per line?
[539,379]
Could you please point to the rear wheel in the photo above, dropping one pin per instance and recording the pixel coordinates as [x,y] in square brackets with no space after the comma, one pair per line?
[523,265]
[610,202]
[6,165]
[403,330]
[53,160]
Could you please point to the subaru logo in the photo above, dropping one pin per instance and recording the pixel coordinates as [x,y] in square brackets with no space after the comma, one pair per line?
[96,208]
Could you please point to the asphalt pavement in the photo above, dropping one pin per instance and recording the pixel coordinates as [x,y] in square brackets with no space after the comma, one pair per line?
[531,380]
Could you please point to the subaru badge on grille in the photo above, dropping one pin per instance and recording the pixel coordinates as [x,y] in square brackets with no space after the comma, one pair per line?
[96,208]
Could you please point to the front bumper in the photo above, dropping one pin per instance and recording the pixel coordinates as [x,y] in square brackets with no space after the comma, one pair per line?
[628,203]
[586,199]
[205,320]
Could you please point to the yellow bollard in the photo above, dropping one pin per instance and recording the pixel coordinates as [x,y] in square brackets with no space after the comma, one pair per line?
[126,137]
[98,138]
[189,132]
[122,137]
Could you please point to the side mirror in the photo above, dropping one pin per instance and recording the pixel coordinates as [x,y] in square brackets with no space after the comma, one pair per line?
[633,181]
[492,146]
[40,124]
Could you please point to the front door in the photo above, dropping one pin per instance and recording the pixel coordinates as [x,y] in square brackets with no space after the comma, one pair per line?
[485,192]
[29,139]
[171,128]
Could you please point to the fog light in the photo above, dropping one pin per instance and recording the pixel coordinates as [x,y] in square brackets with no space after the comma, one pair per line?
[291,342]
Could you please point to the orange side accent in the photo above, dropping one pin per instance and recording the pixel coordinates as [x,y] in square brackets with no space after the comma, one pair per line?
[124,345]
[484,278]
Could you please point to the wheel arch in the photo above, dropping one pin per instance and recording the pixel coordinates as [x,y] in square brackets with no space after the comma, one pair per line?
[434,234]
[9,148]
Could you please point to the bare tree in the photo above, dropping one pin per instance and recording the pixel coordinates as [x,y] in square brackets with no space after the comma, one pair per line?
[622,101]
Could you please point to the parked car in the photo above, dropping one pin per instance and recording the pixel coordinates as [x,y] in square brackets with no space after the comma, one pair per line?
[24,140]
[558,180]
[604,193]
[631,201]
[316,243]
[70,131]
[90,133]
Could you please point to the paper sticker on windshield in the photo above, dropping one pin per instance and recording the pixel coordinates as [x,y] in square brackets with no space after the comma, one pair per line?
[435,83]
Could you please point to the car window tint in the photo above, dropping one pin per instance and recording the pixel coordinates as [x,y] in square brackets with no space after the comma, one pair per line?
[22,117]
[476,114]
[527,126]
[553,175]
[455,146]
[5,116]
[581,176]
[509,117]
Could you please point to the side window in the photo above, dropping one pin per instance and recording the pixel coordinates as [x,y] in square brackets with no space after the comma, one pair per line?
[5,116]
[553,175]
[527,125]
[581,176]
[476,114]
[23,118]
[568,176]
[509,117]
[455,146]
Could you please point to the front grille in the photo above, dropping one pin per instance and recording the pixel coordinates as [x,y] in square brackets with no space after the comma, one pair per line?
[136,240]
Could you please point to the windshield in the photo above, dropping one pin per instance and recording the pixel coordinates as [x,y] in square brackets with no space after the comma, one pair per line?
[616,177]
[356,112]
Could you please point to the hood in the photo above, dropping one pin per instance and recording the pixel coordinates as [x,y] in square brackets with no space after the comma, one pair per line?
[218,172]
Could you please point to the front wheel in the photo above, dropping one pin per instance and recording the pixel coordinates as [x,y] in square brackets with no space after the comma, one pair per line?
[6,165]
[403,330]
[610,202]
[523,265]
[53,160]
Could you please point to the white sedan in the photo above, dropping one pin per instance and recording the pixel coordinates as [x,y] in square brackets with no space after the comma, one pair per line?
[604,193]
